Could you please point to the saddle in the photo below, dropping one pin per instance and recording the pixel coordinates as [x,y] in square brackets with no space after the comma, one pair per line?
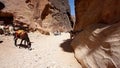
[19,33]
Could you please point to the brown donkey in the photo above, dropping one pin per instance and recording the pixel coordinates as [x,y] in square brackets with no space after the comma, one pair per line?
[21,34]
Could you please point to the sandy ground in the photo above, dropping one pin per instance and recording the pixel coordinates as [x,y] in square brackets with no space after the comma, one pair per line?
[47,52]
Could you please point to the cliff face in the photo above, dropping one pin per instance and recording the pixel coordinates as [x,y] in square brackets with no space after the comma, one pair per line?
[97,46]
[45,15]
[19,10]
[54,15]
[96,11]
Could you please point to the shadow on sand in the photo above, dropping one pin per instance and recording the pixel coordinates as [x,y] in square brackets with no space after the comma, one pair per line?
[1,41]
[66,46]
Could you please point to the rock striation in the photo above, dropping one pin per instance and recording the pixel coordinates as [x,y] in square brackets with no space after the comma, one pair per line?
[98,45]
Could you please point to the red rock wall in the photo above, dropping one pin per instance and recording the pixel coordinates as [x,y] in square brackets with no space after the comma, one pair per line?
[44,15]
[97,46]
[96,11]
[52,15]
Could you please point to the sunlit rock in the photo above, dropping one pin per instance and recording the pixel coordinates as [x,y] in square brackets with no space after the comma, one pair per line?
[45,15]
[98,46]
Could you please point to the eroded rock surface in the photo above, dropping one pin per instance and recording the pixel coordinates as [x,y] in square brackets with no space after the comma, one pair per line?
[98,46]
[44,15]
[96,11]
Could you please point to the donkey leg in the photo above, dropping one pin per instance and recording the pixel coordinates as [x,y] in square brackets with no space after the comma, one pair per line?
[29,46]
[21,42]
[15,41]
[24,42]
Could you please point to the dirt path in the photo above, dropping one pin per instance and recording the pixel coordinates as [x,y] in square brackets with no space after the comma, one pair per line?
[47,52]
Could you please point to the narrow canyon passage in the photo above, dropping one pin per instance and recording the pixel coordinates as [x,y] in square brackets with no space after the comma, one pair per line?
[47,52]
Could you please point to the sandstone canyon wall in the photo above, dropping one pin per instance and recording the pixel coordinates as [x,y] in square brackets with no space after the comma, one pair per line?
[44,15]
[94,11]
[18,9]
[98,45]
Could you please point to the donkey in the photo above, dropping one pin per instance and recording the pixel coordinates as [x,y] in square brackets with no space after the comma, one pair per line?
[21,34]
[1,29]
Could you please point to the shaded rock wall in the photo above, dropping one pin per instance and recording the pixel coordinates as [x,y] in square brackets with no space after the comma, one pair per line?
[95,11]
[44,15]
